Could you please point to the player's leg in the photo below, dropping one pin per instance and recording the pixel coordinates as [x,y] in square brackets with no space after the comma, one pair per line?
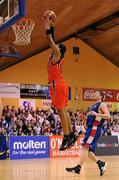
[65,128]
[60,102]
[69,121]
[83,157]
[84,152]
[72,136]
[64,121]
[92,157]
[102,165]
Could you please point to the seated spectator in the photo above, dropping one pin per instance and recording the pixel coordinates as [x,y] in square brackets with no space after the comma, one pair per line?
[37,129]
[15,130]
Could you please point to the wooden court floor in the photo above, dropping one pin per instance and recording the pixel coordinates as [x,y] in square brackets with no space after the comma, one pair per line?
[54,169]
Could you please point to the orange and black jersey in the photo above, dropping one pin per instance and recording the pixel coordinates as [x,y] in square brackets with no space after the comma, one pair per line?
[55,70]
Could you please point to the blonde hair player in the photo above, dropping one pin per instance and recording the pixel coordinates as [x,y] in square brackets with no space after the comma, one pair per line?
[96,116]
[58,87]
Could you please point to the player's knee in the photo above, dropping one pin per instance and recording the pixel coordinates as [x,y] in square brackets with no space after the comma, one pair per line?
[86,146]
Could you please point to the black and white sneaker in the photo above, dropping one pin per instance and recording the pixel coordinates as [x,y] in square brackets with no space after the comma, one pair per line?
[74,169]
[72,139]
[102,166]
[64,143]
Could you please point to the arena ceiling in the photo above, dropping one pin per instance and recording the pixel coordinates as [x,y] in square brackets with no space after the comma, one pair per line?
[94,21]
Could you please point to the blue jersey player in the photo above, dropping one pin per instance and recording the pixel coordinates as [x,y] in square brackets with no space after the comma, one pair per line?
[96,116]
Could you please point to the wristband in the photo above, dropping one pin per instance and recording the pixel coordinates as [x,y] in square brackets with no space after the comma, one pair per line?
[52,31]
[48,31]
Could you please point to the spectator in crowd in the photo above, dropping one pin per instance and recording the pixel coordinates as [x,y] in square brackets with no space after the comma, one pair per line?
[37,129]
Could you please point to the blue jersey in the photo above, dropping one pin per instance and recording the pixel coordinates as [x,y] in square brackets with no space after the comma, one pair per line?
[93,120]
[93,131]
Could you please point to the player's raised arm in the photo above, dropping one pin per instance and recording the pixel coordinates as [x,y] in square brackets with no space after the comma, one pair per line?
[49,30]
[105,111]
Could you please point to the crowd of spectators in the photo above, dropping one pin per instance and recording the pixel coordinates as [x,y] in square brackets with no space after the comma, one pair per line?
[27,121]
[111,127]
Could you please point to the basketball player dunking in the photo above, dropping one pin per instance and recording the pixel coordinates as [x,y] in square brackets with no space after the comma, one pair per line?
[96,116]
[58,88]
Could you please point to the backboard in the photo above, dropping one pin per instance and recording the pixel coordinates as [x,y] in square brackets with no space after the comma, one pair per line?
[10,12]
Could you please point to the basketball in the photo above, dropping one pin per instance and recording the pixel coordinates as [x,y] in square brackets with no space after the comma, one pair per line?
[50,14]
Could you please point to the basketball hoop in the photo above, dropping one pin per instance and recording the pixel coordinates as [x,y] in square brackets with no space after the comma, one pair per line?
[22,30]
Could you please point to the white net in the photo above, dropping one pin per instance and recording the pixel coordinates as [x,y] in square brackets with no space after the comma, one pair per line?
[23,31]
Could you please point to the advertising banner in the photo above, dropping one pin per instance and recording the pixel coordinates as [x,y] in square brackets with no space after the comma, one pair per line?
[110,95]
[27,147]
[107,145]
[46,103]
[27,103]
[55,142]
[8,90]
[35,91]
